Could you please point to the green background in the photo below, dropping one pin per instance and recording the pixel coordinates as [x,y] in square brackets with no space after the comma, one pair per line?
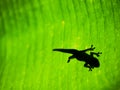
[30,29]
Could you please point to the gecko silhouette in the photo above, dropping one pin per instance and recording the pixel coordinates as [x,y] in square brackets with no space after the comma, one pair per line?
[81,55]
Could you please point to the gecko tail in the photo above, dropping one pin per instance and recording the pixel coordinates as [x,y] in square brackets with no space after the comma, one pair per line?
[71,51]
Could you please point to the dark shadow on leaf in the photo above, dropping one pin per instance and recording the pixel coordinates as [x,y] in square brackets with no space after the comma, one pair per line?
[90,61]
